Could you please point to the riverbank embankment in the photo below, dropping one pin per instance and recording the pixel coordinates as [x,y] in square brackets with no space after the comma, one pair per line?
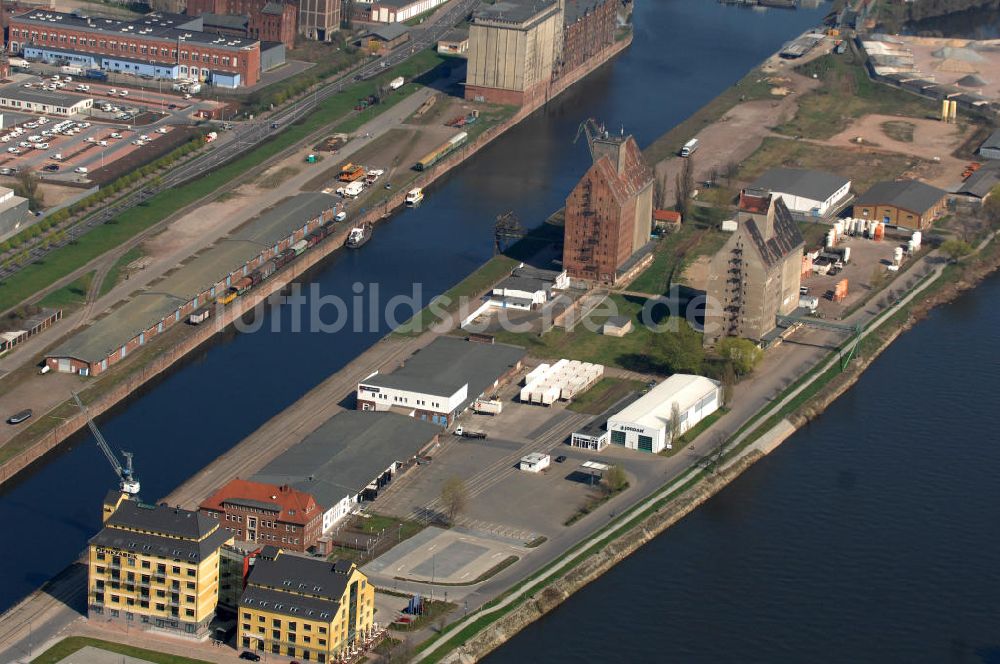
[481,633]
[136,377]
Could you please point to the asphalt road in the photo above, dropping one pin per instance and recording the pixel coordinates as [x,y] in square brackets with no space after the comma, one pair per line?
[247,135]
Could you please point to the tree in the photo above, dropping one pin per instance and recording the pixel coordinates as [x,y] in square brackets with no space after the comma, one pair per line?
[675,424]
[743,353]
[27,187]
[454,498]
[685,186]
[615,480]
[991,208]
[660,192]
[956,249]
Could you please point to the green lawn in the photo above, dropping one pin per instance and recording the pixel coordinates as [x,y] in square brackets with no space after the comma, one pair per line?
[469,288]
[699,236]
[62,261]
[691,434]
[847,93]
[115,273]
[70,296]
[377,523]
[604,394]
[676,348]
[70,645]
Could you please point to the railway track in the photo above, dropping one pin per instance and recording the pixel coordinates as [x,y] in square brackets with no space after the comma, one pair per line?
[247,136]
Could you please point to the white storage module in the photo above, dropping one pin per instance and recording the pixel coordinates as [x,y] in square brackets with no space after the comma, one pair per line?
[563,380]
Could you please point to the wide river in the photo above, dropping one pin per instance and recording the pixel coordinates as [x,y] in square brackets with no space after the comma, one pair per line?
[871,535]
[685,52]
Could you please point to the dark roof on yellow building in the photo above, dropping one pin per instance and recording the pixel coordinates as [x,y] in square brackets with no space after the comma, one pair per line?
[161,530]
[296,586]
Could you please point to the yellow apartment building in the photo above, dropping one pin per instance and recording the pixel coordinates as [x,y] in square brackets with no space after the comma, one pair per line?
[309,609]
[155,566]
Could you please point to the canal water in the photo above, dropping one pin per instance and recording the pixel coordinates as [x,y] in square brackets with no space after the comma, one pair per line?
[869,536]
[685,52]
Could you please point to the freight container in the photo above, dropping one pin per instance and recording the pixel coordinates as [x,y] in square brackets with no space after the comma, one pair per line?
[487,406]
[200,316]
[396,83]
[267,269]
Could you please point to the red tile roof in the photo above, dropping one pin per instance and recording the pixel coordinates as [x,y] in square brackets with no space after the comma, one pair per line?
[294,506]
[754,201]
[668,216]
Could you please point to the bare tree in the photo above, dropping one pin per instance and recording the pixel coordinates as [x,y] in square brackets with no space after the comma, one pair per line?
[454,498]
[660,192]
[675,424]
[685,185]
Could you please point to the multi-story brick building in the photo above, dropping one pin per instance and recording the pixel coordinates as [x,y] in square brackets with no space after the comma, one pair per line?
[609,214]
[266,514]
[589,27]
[266,20]
[304,608]
[155,566]
[156,45]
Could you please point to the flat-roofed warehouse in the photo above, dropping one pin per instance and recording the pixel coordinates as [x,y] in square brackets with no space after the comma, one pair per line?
[348,460]
[645,423]
[108,341]
[441,380]
[17,98]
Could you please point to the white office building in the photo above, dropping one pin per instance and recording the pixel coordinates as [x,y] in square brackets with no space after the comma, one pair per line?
[645,424]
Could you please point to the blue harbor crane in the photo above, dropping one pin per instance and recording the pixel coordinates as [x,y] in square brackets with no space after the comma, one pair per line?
[127,481]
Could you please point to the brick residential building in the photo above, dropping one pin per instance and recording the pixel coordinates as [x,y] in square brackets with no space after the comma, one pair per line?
[266,514]
[609,213]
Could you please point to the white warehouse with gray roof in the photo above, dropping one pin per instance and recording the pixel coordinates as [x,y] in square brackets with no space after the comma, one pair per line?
[441,380]
[805,192]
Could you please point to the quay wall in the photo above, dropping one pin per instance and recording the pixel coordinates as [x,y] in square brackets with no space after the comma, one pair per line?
[190,341]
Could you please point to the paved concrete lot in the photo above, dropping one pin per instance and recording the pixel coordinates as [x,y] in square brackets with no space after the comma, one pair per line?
[443,556]
[503,500]
[867,256]
[91,655]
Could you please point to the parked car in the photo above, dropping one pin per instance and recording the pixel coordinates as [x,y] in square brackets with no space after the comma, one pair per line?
[116,135]
[51,168]
[8,171]
[250,656]
[560,458]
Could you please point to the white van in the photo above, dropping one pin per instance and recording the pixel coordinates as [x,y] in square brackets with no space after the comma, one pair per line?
[689,147]
[82,170]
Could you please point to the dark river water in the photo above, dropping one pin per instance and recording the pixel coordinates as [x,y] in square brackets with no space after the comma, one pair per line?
[685,52]
[869,536]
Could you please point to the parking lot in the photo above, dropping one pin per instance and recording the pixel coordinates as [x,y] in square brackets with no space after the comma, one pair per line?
[155,96]
[70,149]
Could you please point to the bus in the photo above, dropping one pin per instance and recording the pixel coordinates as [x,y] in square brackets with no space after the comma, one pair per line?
[689,147]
